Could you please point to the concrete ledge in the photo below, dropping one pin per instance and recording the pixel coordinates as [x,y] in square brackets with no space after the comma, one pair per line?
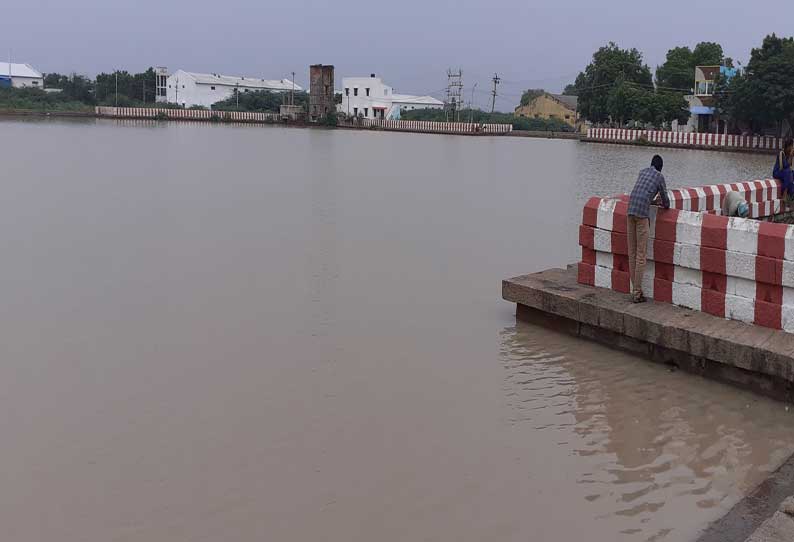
[749,356]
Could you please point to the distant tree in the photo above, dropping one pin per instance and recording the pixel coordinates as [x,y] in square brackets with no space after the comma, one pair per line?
[670,106]
[624,101]
[677,72]
[138,87]
[569,90]
[763,95]
[79,88]
[262,100]
[707,53]
[531,94]
[55,80]
[610,66]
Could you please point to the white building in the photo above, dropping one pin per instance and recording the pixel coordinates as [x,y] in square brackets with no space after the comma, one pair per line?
[370,97]
[188,89]
[20,75]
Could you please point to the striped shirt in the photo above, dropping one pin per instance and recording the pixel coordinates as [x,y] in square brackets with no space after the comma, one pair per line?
[649,183]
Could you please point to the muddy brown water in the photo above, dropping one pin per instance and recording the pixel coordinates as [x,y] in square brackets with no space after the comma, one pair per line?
[245,333]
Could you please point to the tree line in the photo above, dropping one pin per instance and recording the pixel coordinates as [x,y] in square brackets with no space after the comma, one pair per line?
[761,96]
[617,87]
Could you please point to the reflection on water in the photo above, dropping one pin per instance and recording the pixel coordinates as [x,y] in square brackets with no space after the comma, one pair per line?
[656,451]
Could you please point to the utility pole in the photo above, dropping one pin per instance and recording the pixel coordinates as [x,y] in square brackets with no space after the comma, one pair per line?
[471,104]
[496,80]
[117,88]
[292,94]
[237,95]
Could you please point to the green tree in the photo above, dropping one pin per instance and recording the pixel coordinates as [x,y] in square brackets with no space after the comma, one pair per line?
[610,65]
[669,106]
[677,72]
[707,53]
[262,100]
[623,101]
[55,80]
[569,90]
[132,88]
[531,94]
[763,95]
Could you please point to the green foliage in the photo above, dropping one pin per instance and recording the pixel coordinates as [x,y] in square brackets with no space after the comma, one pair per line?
[678,70]
[617,87]
[132,88]
[609,66]
[331,119]
[483,117]
[531,94]
[75,87]
[261,100]
[763,94]
[569,90]
[38,100]
[707,53]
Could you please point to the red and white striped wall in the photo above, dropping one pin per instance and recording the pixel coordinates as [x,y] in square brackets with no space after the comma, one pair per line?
[436,127]
[734,268]
[184,114]
[660,137]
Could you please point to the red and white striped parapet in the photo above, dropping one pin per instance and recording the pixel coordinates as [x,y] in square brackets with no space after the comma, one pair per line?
[686,139]
[735,268]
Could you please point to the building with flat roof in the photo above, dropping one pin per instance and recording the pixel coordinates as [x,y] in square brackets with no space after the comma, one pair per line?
[20,76]
[371,98]
[190,88]
[702,115]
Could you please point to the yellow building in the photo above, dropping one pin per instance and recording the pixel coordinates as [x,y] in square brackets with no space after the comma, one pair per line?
[550,106]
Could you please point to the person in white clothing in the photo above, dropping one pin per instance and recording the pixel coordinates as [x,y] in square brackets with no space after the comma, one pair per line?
[735,205]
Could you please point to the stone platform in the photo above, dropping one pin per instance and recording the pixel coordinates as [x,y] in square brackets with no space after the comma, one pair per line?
[746,355]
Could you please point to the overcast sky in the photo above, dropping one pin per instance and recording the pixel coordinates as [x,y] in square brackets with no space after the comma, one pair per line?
[411,43]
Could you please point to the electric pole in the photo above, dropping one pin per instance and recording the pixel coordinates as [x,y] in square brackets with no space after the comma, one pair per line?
[471,103]
[117,88]
[292,94]
[496,80]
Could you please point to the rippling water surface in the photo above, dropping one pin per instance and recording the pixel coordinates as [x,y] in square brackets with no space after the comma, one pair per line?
[244,333]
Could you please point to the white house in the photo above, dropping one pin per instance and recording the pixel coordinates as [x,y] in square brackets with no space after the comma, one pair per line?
[20,75]
[370,97]
[189,88]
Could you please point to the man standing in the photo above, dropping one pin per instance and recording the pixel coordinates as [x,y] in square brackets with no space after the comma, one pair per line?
[650,182]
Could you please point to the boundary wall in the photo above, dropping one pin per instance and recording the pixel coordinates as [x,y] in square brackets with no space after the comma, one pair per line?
[185,114]
[735,268]
[681,139]
[430,126]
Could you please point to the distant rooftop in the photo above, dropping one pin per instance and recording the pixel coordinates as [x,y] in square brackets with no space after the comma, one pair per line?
[569,101]
[19,70]
[248,82]
[418,100]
